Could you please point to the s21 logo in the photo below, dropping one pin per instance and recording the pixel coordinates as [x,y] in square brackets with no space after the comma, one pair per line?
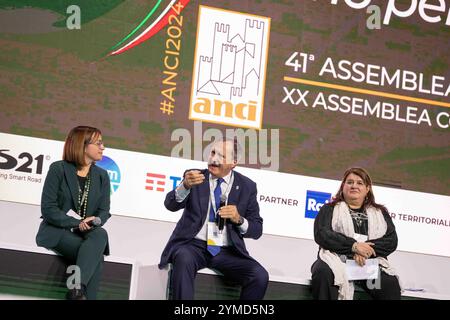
[25,162]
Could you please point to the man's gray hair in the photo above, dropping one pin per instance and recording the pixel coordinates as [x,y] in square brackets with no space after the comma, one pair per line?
[236,148]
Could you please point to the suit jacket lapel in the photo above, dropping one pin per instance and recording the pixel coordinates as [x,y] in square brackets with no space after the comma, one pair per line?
[233,197]
[70,172]
[93,191]
[204,195]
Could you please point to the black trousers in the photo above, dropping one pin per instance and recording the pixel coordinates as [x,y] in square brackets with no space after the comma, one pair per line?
[190,258]
[323,287]
[86,251]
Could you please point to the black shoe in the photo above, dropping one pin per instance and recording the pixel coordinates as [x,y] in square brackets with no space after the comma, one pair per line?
[77,294]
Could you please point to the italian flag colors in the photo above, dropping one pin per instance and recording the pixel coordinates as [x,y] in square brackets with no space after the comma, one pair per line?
[132,40]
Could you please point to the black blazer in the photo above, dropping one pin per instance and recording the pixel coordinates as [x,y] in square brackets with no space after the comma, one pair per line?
[242,194]
[327,238]
[60,194]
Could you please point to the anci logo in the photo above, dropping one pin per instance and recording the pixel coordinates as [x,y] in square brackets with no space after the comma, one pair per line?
[230,68]
[113,172]
[314,201]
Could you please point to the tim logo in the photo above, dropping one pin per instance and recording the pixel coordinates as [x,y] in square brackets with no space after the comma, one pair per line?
[157,182]
[314,201]
[229,68]
[113,172]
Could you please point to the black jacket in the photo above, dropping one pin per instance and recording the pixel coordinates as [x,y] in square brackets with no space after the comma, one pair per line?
[60,194]
[339,243]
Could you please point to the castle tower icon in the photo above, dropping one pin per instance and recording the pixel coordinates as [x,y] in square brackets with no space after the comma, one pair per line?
[234,66]
[229,68]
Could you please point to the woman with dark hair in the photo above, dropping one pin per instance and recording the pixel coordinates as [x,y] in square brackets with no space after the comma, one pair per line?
[353,226]
[75,184]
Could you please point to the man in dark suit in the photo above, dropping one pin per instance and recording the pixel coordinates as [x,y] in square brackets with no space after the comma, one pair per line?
[197,241]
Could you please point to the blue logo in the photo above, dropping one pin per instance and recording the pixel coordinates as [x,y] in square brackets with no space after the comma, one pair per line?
[113,172]
[314,201]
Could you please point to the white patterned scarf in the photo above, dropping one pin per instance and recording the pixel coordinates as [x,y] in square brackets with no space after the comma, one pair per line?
[342,222]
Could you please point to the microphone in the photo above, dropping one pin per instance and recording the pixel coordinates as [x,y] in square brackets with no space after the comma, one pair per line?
[221,223]
[93,223]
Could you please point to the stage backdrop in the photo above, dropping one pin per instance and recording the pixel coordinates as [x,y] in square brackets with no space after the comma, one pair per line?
[309,87]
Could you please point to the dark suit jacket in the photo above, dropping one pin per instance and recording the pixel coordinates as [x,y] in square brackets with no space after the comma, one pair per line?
[60,194]
[195,205]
